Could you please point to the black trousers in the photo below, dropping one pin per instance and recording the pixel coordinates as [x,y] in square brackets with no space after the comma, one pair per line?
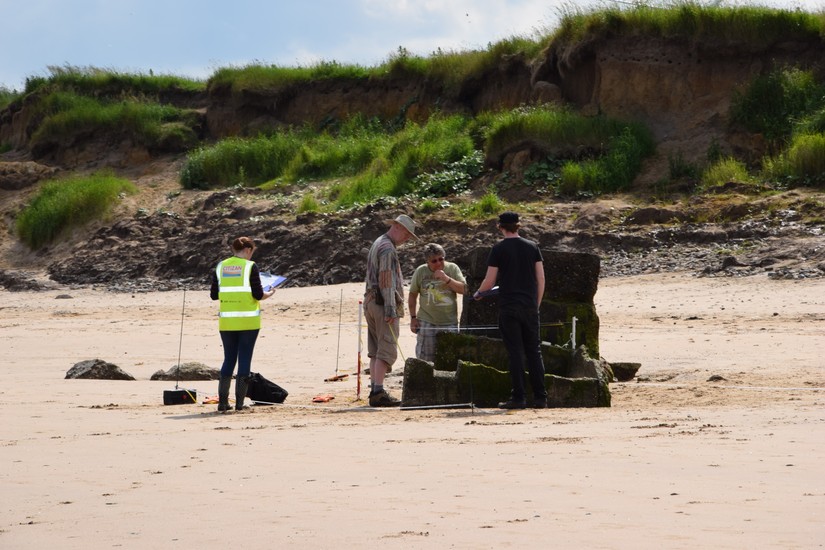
[520,332]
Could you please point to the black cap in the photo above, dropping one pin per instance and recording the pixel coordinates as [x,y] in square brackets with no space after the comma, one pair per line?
[508,217]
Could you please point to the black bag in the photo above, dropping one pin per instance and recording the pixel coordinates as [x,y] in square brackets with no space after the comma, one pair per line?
[261,390]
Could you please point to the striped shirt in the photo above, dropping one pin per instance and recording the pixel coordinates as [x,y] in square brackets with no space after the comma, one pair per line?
[384,275]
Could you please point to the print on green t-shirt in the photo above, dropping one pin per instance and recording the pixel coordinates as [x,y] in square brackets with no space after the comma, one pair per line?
[436,303]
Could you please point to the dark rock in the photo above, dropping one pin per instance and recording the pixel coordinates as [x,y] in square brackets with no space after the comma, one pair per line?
[17,281]
[652,215]
[582,365]
[731,261]
[20,175]
[625,372]
[97,369]
[188,371]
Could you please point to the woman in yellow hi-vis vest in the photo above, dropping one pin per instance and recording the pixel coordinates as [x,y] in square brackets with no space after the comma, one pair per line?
[236,282]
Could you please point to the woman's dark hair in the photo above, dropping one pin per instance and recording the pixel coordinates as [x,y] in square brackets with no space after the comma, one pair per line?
[242,242]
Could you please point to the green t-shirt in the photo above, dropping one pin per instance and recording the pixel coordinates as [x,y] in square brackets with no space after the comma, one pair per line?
[436,303]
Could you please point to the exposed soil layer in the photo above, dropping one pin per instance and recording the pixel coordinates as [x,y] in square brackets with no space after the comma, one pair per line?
[168,239]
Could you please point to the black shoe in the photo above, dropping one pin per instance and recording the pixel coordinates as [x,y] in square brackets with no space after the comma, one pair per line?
[383,399]
[540,403]
[512,405]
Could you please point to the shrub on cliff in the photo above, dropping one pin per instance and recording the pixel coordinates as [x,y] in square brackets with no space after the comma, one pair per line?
[406,155]
[238,160]
[802,163]
[774,103]
[598,154]
[723,171]
[63,204]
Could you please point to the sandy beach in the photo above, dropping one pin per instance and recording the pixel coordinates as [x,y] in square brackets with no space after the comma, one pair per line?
[718,443]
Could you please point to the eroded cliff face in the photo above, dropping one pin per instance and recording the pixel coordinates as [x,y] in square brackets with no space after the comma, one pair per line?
[394,98]
[681,90]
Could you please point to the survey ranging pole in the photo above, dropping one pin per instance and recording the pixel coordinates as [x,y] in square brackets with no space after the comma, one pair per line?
[358,383]
[337,376]
[180,396]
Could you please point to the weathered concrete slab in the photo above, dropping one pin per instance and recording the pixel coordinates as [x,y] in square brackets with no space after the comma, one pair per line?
[451,347]
[571,282]
[486,386]
[424,385]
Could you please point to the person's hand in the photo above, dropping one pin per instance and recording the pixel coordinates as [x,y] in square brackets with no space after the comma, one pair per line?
[477,296]
[414,325]
[441,276]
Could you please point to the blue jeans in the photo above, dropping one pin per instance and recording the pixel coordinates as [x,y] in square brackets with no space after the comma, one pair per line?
[238,346]
[520,332]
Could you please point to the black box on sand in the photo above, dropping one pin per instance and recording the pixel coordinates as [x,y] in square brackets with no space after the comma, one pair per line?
[179,397]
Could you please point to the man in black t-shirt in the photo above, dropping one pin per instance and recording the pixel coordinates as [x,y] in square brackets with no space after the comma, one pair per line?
[516,264]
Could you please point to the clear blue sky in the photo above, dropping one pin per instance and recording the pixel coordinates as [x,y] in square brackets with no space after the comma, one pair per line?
[194,38]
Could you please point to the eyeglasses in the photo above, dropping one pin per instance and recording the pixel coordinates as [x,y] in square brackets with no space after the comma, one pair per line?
[435,260]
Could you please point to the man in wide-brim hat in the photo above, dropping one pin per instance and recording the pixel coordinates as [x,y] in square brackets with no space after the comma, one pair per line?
[384,305]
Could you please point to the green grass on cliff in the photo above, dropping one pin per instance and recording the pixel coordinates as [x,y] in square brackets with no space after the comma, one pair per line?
[67,115]
[756,26]
[405,155]
[7,96]
[111,83]
[449,69]
[240,161]
[366,159]
[63,204]
[256,76]
[802,163]
[439,158]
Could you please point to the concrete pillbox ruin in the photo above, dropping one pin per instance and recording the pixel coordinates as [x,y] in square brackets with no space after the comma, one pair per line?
[472,366]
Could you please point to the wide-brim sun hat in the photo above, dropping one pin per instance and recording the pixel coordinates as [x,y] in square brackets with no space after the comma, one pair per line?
[406,222]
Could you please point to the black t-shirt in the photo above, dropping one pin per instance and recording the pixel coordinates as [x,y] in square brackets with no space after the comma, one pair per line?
[516,259]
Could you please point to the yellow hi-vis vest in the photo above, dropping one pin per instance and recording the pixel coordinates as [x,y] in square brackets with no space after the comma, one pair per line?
[239,310]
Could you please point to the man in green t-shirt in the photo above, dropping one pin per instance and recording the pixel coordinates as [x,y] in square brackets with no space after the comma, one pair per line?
[438,282]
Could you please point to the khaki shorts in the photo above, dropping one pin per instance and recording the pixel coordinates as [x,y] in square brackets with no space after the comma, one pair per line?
[381,343]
